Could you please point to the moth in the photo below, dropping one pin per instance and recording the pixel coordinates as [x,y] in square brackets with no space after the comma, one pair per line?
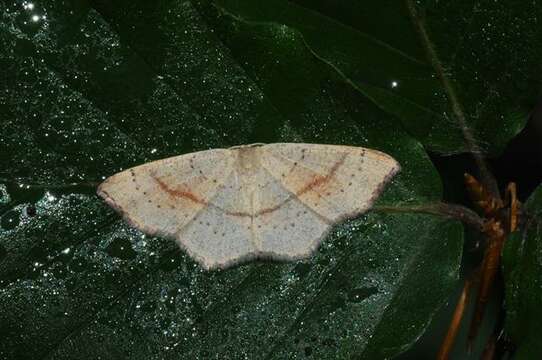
[224,206]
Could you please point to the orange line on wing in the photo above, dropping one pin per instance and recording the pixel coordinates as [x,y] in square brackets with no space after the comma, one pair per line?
[316,181]
[319,180]
[178,193]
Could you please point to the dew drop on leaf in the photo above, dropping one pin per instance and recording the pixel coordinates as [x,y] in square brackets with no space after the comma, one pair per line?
[10,220]
[4,195]
[360,294]
[78,265]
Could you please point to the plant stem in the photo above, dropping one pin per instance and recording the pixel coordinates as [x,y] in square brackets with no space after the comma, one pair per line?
[453,329]
[454,211]
[486,177]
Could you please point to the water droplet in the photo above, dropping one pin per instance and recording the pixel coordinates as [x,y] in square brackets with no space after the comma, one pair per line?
[10,220]
[360,294]
[4,195]
[78,265]
[49,197]
[169,262]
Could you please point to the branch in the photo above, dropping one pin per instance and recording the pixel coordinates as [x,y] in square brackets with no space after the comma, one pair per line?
[453,211]
[453,329]
[485,175]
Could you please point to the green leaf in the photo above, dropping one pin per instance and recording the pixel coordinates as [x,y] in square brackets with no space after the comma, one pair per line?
[486,51]
[522,267]
[93,88]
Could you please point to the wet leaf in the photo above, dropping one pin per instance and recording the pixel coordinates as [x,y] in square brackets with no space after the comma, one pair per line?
[489,51]
[522,267]
[91,88]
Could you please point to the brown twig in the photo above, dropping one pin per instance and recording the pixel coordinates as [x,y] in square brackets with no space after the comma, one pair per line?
[481,197]
[512,200]
[453,329]
[501,219]
[490,267]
